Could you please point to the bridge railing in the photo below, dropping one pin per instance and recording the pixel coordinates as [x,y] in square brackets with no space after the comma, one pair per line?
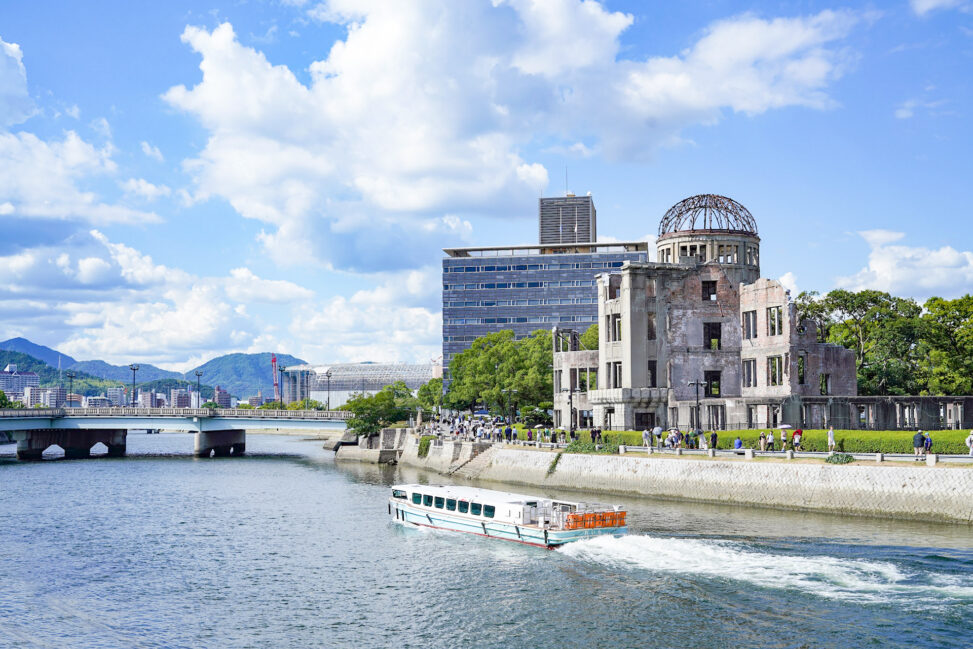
[232,413]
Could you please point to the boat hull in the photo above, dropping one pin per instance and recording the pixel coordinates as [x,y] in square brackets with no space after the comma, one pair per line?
[405,513]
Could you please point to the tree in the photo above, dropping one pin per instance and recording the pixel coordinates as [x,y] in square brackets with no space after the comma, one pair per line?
[883,331]
[589,339]
[502,373]
[272,405]
[372,413]
[810,307]
[305,404]
[430,394]
[4,401]
[212,405]
[244,406]
[947,345]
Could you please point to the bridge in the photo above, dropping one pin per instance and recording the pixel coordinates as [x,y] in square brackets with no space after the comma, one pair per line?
[220,432]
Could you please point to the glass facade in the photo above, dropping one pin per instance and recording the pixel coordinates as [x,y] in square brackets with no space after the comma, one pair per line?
[523,290]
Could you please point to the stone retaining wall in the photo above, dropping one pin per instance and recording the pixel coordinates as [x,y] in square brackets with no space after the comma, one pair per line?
[913,492]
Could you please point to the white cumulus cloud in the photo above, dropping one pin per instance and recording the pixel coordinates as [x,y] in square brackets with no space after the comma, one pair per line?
[912,271]
[152,151]
[15,102]
[144,189]
[402,122]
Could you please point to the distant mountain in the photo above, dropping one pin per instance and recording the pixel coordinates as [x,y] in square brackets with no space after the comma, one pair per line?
[122,373]
[40,352]
[243,374]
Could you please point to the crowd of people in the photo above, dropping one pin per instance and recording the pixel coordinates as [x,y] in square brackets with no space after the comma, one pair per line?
[497,429]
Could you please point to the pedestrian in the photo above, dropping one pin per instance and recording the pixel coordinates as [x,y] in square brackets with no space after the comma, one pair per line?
[770,441]
[927,444]
[713,437]
[918,443]
[969,443]
[693,440]
[830,439]
[796,439]
[738,443]
[763,441]
[646,438]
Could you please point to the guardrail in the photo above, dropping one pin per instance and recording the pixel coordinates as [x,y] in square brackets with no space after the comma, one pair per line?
[230,413]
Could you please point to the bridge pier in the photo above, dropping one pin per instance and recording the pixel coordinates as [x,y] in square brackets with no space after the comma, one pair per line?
[221,443]
[77,444]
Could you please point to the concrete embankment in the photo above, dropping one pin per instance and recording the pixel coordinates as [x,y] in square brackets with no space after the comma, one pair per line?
[924,493]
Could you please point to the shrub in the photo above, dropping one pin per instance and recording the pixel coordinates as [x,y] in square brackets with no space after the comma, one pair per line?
[424,442]
[553,467]
[857,441]
[840,458]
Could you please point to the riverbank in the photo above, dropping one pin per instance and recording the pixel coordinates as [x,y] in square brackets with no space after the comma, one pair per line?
[920,492]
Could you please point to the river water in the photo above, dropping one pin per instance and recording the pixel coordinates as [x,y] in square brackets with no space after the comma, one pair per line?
[286,548]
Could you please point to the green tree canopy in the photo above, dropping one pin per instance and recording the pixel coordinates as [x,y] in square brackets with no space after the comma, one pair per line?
[502,373]
[371,413]
[430,394]
[947,334]
[589,339]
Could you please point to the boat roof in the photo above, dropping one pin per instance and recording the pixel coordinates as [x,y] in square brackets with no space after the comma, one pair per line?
[474,493]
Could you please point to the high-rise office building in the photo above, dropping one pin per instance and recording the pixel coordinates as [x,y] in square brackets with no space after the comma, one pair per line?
[567,219]
[525,288]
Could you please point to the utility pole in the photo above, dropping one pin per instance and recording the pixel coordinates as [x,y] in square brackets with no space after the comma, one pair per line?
[697,384]
[281,369]
[70,376]
[135,368]
[199,395]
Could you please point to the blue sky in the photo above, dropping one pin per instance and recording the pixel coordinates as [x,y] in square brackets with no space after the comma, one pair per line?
[180,180]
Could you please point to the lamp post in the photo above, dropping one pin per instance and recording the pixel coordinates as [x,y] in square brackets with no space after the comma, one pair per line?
[281,369]
[510,402]
[307,390]
[70,376]
[199,395]
[135,368]
[328,374]
[570,392]
[697,384]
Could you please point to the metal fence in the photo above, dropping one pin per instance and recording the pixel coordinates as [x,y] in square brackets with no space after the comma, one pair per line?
[229,413]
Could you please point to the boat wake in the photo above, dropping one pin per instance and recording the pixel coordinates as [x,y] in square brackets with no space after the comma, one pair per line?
[831,577]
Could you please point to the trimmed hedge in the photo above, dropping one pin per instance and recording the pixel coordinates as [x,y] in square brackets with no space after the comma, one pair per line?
[424,442]
[847,441]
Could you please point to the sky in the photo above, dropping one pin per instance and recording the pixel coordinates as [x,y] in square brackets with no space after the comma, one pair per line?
[181,180]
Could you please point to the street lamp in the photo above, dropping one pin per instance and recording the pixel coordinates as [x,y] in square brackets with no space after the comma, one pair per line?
[570,392]
[281,369]
[199,395]
[510,401]
[697,384]
[134,368]
[307,390]
[70,376]
[328,374]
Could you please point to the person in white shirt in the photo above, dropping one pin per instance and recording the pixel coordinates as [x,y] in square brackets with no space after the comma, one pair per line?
[830,439]
[969,443]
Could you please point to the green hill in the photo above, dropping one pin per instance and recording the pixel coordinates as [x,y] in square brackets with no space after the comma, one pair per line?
[49,376]
[122,373]
[242,375]
[38,352]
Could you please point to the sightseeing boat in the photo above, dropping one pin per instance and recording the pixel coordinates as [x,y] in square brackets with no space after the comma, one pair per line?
[514,517]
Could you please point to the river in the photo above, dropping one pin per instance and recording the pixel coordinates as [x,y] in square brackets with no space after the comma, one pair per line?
[286,548]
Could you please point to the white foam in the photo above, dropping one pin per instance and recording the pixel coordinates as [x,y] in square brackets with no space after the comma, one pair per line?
[831,577]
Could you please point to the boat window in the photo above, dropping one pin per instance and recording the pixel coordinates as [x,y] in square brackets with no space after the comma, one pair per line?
[531,503]
[476,509]
[427,500]
[489,511]
[398,493]
[451,504]
[417,498]
[464,506]
[439,502]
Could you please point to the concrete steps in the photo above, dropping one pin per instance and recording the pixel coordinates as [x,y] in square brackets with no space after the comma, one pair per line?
[471,468]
